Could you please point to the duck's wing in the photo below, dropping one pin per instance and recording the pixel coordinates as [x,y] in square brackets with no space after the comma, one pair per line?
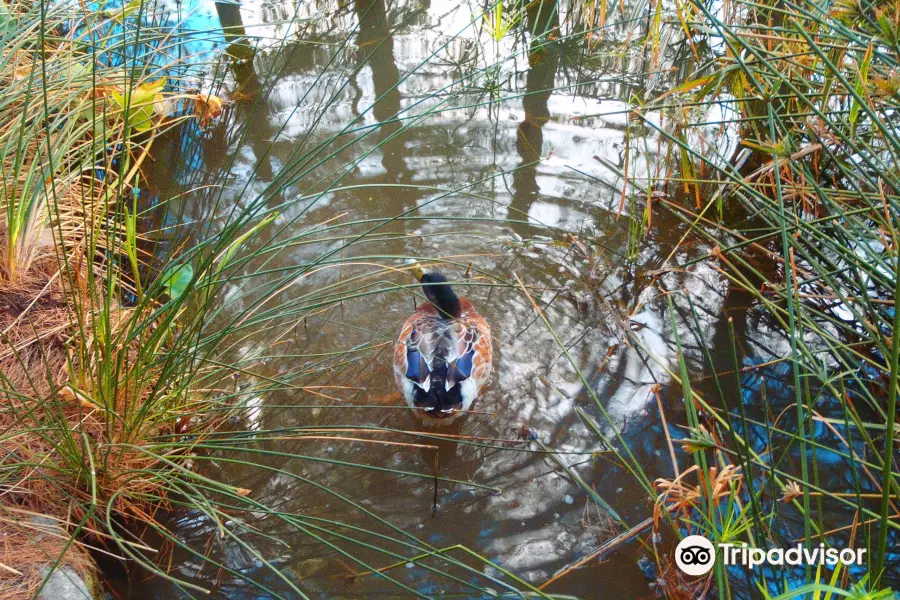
[424,347]
[470,356]
[429,342]
[417,348]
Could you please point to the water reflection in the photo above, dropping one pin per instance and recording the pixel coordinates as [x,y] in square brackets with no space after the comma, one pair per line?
[540,80]
[364,73]
[375,39]
[232,23]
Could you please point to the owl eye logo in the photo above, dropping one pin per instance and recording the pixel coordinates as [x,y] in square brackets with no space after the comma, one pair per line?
[695,555]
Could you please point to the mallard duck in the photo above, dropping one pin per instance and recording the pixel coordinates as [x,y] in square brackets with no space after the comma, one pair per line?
[442,359]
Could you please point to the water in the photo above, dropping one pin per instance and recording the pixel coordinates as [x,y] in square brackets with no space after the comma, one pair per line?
[536,183]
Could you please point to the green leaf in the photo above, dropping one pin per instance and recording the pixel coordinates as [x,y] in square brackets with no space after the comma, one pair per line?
[126,11]
[689,85]
[138,103]
[861,84]
[700,439]
[73,72]
[176,279]
[236,244]
[887,28]
[7,21]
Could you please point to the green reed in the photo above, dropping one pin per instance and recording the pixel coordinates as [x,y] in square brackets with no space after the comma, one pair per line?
[813,87]
[178,351]
[153,352]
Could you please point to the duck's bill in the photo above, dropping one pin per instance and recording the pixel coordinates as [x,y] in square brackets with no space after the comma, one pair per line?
[443,412]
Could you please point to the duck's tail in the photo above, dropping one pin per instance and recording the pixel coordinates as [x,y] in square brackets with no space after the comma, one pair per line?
[437,398]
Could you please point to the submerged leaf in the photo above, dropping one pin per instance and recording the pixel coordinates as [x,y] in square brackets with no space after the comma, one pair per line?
[310,567]
[176,280]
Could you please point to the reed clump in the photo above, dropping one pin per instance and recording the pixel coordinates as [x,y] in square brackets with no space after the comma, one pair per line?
[801,181]
[781,151]
[81,387]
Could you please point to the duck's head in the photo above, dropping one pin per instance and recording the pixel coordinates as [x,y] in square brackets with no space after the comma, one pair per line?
[437,289]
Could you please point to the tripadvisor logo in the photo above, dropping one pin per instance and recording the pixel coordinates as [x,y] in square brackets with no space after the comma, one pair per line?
[696,555]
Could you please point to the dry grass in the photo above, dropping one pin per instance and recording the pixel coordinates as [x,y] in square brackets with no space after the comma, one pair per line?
[45,424]
[27,546]
[683,498]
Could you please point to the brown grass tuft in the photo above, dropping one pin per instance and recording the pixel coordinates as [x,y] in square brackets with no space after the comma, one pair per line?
[28,544]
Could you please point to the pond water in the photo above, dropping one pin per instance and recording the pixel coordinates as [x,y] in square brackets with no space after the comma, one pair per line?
[506,173]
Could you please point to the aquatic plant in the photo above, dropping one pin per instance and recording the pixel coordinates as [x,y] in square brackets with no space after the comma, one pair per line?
[126,370]
[142,340]
[81,379]
[806,227]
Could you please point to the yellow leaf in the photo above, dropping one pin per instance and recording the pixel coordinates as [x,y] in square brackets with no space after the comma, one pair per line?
[153,88]
[126,11]
[71,394]
[139,102]
[207,107]
[688,86]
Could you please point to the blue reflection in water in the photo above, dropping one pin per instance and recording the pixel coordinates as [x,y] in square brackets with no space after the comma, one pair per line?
[194,24]
[769,403]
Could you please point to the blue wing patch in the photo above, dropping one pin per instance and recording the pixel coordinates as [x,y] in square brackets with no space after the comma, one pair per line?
[462,366]
[416,368]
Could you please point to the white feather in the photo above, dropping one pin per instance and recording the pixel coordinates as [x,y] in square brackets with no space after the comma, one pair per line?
[409,392]
[468,391]
[425,385]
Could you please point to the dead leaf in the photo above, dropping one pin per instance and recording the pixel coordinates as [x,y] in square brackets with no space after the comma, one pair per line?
[207,107]
[310,567]
[101,91]
[70,394]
